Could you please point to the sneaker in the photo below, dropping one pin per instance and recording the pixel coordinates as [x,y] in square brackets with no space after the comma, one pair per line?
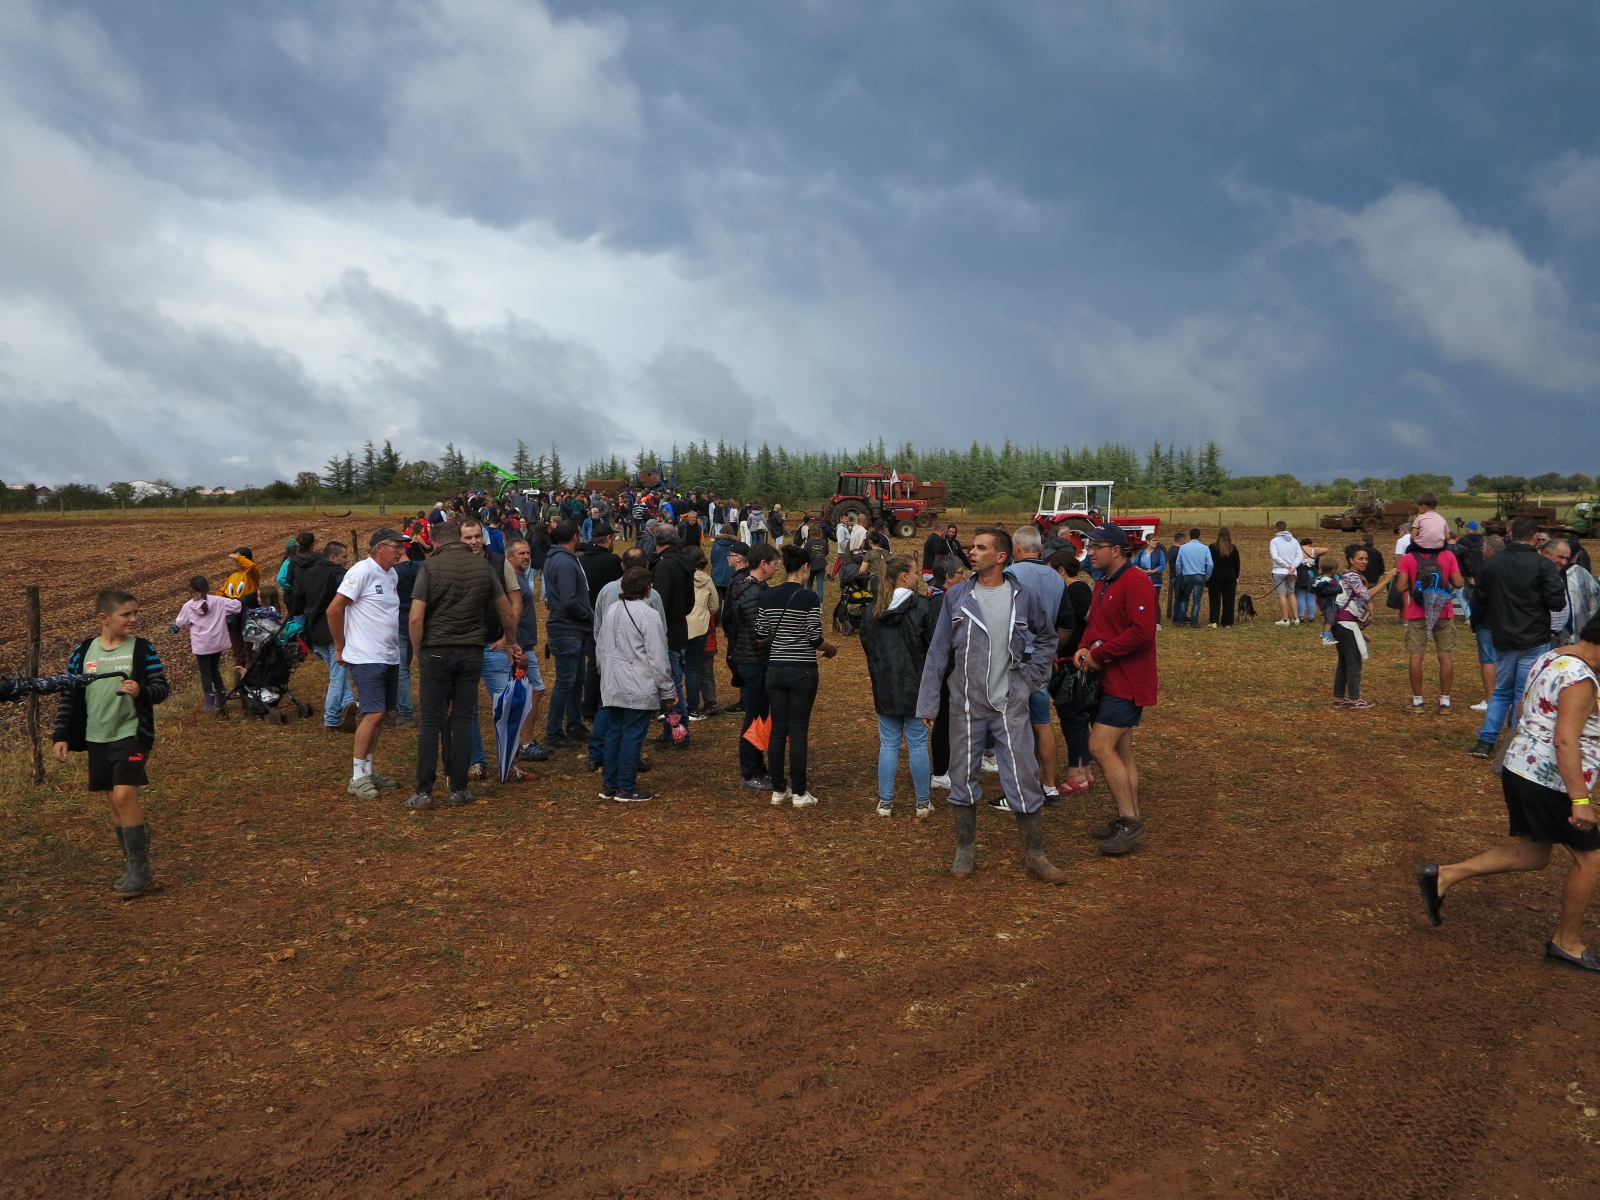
[1051,790]
[1417,705]
[1482,750]
[990,762]
[560,741]
[802,801]
[779,797]
[350,718]
[363,788]
[696,715]
[1296,621]
[757,783]
[1280,622]
[1481,706]
[1341,702]
[475,771]
[924,809]
[1129,833]
[1359,704]
[420,800]
[885,808]
[579,733]
[941,781]
[735,707]
[606,793]
[382,781]
[999,804]
[633,797]
[457,799]
[1327,640]
[594,764]
[1445,706]
[533,752]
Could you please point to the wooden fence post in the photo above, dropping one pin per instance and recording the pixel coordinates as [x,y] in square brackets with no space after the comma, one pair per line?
[30,709]
[355,546]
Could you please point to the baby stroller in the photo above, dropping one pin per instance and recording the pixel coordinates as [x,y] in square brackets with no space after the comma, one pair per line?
[857,594]
[264,686]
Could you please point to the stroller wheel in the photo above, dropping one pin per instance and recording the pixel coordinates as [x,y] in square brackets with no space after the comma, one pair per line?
[303,709]
[277,718]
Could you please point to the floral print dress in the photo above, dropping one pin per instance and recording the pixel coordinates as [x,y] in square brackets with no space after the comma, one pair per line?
[1532,752]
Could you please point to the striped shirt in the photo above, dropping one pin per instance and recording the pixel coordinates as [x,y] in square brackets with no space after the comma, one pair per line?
[792,617]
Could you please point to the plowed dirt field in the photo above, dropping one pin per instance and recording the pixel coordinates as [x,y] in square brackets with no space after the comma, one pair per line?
[545,996]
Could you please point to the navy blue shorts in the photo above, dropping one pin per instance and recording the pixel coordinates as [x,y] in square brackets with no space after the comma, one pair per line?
[1114,710]
[377,685]
[1039,708]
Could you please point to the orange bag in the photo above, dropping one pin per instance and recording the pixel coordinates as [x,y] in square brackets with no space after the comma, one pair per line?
[759,733]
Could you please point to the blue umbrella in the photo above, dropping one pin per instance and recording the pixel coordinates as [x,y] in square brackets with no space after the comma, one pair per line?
[510,710]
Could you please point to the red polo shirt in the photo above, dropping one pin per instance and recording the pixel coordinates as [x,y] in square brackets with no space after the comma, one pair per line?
[1122,635]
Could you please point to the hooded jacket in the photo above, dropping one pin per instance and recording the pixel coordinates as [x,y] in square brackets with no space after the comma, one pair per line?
[566,595]
[1285,551]
[896,647]
[316,581]
[674,580]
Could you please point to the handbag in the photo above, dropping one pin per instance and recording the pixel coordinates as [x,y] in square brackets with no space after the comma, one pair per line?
[1073,690]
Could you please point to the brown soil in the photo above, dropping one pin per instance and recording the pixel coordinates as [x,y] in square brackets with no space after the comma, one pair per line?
[705,996]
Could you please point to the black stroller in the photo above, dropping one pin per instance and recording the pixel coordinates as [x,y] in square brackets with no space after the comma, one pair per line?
[857,593]
[263,689]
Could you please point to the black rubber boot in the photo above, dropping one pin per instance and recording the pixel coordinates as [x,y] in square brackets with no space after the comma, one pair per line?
[1030,827]
[966,818]
[135,841]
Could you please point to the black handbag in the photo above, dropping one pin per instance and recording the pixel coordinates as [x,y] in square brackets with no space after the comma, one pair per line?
[1074,691]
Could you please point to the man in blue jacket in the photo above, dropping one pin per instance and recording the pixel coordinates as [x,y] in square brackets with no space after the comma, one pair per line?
[997,643]
[571,620]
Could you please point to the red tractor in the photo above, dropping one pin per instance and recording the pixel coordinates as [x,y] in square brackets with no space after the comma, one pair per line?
[1072,507]
[879,493]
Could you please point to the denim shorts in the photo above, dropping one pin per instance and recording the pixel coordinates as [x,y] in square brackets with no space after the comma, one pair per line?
[1040,710]
[1114,710]
[377,685]
[1486,651]
[535,678]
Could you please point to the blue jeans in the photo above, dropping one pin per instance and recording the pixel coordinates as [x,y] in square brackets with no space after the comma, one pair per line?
[496,674]
[566,697]
[1306,604]
[1510,675]
[624,735]
[402,702]
[340,693]
[1191,591]
[695,667]
[891,730]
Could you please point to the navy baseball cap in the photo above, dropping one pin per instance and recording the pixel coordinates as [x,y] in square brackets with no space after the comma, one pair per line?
[1111,535]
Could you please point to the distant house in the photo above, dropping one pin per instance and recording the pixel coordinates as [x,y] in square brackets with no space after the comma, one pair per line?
[40,492]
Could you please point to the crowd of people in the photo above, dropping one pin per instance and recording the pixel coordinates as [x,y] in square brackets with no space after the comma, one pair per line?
[977,654]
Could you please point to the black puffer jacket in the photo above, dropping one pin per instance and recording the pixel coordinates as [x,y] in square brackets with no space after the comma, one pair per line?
[896,645]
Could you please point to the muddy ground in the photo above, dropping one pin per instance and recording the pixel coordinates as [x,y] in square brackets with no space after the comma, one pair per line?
[546,996]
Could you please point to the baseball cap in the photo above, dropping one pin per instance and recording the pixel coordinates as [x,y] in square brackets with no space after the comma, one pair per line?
[386,535]
[742,549]
[1112,535]
[1472,524]
[600,529]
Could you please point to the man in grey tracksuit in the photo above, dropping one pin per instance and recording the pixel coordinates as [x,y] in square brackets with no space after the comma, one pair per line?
[998,645]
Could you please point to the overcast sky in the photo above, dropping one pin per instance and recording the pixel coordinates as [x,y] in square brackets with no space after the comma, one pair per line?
[1340,239]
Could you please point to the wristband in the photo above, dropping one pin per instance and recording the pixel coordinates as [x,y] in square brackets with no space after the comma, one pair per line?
[1576,803]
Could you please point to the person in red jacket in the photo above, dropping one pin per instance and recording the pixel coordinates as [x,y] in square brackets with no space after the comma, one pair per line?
[1119,643]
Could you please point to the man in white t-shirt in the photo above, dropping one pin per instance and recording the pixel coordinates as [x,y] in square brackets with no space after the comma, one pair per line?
[364,619]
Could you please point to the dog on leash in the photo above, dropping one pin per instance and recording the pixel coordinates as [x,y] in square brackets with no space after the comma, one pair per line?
[1247,608]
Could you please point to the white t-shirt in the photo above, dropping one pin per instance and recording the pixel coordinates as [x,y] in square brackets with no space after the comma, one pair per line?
[372,620]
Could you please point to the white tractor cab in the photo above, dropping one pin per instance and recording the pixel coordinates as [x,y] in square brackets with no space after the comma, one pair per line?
[1071,507]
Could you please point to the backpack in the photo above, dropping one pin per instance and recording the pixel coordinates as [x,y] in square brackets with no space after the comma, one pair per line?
[1430,576]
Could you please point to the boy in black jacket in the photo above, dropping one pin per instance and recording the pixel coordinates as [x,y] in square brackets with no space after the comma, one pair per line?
[113,720]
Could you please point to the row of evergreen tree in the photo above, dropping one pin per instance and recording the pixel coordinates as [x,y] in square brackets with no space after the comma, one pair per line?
[979,473]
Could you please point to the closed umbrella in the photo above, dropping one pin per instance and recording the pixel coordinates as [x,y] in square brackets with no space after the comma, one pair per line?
[510,710]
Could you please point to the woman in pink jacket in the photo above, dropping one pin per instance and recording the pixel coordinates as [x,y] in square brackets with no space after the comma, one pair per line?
[206,618]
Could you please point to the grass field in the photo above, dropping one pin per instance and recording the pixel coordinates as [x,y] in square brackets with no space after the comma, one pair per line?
[541,995]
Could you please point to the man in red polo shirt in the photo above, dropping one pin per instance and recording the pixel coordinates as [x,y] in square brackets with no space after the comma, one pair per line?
[1120,643]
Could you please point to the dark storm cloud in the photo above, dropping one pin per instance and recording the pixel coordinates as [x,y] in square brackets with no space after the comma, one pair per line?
[1141,218]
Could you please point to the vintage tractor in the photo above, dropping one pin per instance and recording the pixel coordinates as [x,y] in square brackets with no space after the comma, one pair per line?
[1582,521]
[1370,512]
[1072,507]
[879,493]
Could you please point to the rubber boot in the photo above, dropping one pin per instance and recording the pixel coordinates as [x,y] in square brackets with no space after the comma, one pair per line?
[1030,827]
[210,706]
[966,818]
[135,841]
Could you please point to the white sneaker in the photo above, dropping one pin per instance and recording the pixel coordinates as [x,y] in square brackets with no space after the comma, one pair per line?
[1211,625]
[805,801]
[780,797]
[991,763]
[1481,706]
[1281,622]
[885,809]
[941,781]
[1296,621]
[1049,790]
